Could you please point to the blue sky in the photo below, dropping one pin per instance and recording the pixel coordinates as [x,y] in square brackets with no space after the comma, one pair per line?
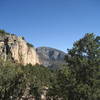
[52,23]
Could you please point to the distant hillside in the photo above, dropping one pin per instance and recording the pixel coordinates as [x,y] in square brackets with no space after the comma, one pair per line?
[18,49]
[51,57]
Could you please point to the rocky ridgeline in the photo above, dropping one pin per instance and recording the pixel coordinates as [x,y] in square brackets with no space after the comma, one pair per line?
[17,49]
[51,57]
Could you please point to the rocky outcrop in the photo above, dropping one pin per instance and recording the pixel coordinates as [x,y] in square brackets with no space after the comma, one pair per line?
[24,53]
[20,51]
[51,57]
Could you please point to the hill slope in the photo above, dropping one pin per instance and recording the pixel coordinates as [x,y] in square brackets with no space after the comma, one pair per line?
[18,49]
[51,57]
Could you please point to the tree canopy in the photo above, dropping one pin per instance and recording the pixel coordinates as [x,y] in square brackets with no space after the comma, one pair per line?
[78,79]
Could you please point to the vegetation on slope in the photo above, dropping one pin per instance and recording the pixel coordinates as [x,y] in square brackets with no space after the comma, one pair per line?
[78,80]
[30,45]
[15,79]
[3,33]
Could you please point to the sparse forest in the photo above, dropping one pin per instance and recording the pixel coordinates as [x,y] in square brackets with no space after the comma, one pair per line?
[78,79]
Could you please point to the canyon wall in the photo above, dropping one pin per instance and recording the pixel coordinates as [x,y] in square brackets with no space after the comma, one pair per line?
[18,49]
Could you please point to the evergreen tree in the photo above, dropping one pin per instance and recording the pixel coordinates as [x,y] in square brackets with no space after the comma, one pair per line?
[84,62]
[80,78]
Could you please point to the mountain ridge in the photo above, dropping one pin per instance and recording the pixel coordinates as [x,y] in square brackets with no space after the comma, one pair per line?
[51,57]
[23,52]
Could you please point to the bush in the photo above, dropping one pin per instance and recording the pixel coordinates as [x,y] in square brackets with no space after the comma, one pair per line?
[18,80]
[3,33]
[30,45]
[11,81]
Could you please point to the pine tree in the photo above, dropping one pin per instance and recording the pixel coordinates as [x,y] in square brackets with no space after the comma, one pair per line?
[84,62]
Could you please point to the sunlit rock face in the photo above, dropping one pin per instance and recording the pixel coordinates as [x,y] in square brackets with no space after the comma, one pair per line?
[20,51]
[24,53]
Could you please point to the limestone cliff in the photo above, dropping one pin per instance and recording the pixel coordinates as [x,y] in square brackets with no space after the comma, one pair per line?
[18,49]
[23,53]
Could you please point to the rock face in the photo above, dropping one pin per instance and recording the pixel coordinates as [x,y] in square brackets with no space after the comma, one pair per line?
[51,57]
[23,53]
[18,50]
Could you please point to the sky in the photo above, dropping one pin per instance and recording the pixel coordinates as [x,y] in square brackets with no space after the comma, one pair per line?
[52,23]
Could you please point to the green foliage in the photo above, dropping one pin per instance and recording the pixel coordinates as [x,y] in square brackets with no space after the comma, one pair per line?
[80,79]
[37,76]
[84,62]
[23,38]
[14,80]
[30,45]
[3,33]
[11,81]
[59,86]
